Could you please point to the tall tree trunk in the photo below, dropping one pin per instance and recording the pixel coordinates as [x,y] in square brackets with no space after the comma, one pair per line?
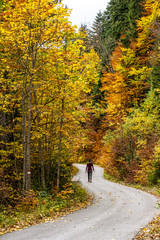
[3,123]
[28,154]
[24,116]
[42,164]
[60,145]
[40,144]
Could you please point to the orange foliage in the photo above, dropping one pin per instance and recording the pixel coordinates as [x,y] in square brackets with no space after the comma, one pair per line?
[122,91]
[124,88]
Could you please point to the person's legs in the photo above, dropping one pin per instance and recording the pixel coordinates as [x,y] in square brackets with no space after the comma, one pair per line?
[89,176]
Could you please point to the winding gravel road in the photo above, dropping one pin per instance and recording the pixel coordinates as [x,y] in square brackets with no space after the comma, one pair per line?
[118,213]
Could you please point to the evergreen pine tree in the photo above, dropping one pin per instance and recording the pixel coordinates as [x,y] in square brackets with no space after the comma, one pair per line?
[120,19]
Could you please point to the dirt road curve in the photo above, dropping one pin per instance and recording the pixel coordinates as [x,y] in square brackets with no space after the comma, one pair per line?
[118,213]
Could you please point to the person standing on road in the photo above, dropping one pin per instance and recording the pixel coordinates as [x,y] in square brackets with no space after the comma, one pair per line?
[89,169]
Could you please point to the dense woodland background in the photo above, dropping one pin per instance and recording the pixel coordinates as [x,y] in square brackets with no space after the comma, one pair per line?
[68,95]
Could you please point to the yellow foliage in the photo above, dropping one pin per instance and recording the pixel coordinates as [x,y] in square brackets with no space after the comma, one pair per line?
[46,65]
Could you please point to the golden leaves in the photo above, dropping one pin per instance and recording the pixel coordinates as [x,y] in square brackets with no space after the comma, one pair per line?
[152,231]
[39,45]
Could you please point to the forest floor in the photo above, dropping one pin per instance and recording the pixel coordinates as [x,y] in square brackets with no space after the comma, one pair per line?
[152,230]
[44,209]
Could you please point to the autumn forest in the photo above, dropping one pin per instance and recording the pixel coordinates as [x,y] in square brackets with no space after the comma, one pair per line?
[67,95]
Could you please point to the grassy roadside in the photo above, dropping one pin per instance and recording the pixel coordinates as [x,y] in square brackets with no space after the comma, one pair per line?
[152,231]
[42,207]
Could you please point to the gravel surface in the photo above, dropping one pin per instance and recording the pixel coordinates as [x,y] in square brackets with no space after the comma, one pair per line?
[118,213]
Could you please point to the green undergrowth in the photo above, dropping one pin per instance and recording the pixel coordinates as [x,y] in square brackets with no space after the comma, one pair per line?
[37,207]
